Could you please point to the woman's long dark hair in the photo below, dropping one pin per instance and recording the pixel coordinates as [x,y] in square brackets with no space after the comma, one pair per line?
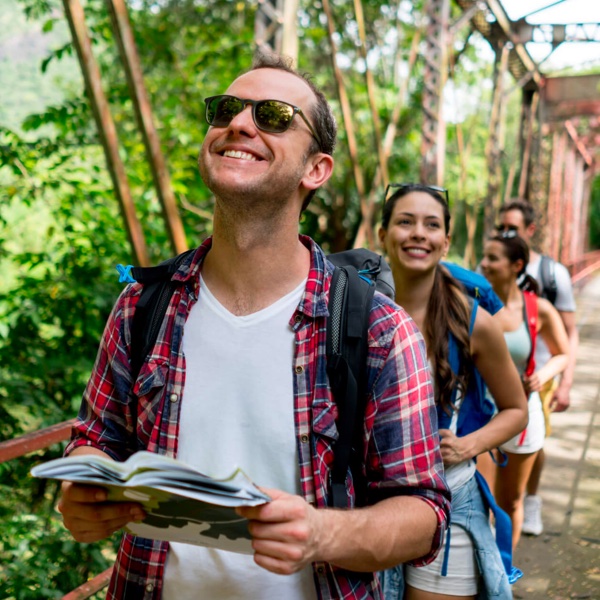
[447,312]
[516,248]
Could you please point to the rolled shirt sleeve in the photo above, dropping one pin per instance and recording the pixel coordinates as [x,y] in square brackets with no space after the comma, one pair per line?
[403,449]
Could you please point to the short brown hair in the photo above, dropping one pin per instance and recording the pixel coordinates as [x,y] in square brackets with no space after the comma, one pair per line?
[525,207]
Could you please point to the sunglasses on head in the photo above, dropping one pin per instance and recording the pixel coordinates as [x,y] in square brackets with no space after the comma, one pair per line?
[433,188]
[272,116]
[501,228]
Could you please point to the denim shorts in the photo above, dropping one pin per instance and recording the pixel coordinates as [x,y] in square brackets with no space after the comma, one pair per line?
[470,513]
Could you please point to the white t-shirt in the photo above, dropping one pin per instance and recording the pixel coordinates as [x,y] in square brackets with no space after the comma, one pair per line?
[565,301]
[237,410]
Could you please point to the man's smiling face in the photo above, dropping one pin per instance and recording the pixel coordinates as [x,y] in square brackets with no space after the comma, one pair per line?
[242,162]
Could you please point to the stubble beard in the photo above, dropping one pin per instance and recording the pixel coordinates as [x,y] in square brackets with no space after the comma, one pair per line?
[266,195]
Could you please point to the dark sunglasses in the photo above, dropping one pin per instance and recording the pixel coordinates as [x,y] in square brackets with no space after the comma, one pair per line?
[500,228]
[508,233]
[272,116]
[401,186]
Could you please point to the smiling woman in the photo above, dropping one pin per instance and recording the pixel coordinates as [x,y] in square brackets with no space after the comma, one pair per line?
[415,236]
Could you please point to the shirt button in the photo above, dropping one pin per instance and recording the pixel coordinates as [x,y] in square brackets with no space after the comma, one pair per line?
[149,587]
[304,438]
[320,570]
[298,318]
[299,369]
[173,397]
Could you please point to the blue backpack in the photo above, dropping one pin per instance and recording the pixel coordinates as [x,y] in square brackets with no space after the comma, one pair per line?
[477,408]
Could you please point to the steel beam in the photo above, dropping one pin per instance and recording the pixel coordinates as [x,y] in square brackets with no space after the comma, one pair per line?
[143,113]
[493,143]
[528,118]
[275,27]
[498,31]
[567,97]
[106,127]
[556,34]
[580,220]
[434,77]
[567,204]
[555,193]
[267,25]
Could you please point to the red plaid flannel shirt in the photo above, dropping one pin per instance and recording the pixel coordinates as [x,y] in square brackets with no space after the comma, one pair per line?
[400,427]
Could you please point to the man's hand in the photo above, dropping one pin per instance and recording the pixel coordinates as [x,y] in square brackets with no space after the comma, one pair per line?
[285,532]
[561,399]
[89,517]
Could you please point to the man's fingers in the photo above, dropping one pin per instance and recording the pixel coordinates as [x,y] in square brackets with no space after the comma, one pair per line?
[294,532]
[101,512]
[275,565]
[92,532]
[278,558]
[75,492]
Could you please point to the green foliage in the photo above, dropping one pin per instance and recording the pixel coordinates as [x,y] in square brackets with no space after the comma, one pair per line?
[38,557]
[60,234]
[61,230]
[594,239]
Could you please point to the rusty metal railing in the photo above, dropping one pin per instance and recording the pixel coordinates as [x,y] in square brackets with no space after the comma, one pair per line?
[584,267]
[38,440]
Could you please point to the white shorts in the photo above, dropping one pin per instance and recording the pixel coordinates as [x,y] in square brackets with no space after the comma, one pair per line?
[463,574]
[532,438]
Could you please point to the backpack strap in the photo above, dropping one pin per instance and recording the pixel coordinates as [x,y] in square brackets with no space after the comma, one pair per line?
[530,316]
[503,530]
[150,310]
[444,418]
[350,300]
[548,277]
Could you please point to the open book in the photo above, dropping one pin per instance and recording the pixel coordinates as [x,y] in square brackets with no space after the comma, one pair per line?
[182,504]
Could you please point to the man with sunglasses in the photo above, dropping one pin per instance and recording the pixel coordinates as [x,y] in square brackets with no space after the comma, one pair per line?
[555,284]
[238,376]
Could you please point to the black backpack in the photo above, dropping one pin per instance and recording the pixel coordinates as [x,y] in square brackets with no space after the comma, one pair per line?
[356,276]
[548,276]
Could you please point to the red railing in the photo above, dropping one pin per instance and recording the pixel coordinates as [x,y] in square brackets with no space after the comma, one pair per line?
[584,267]
[38,440]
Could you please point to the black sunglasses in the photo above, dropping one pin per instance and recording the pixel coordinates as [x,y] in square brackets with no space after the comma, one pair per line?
[272,116]
[401,186]
[500,228]
[508,233]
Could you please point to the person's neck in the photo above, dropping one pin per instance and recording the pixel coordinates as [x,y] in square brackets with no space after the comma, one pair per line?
[413,293]
[254,263]
[533,255]
[508,292]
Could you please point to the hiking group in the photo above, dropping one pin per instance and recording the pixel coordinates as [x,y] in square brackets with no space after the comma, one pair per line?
[360,417]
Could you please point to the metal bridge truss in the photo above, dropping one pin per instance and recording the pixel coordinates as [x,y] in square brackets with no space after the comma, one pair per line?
[558,158]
